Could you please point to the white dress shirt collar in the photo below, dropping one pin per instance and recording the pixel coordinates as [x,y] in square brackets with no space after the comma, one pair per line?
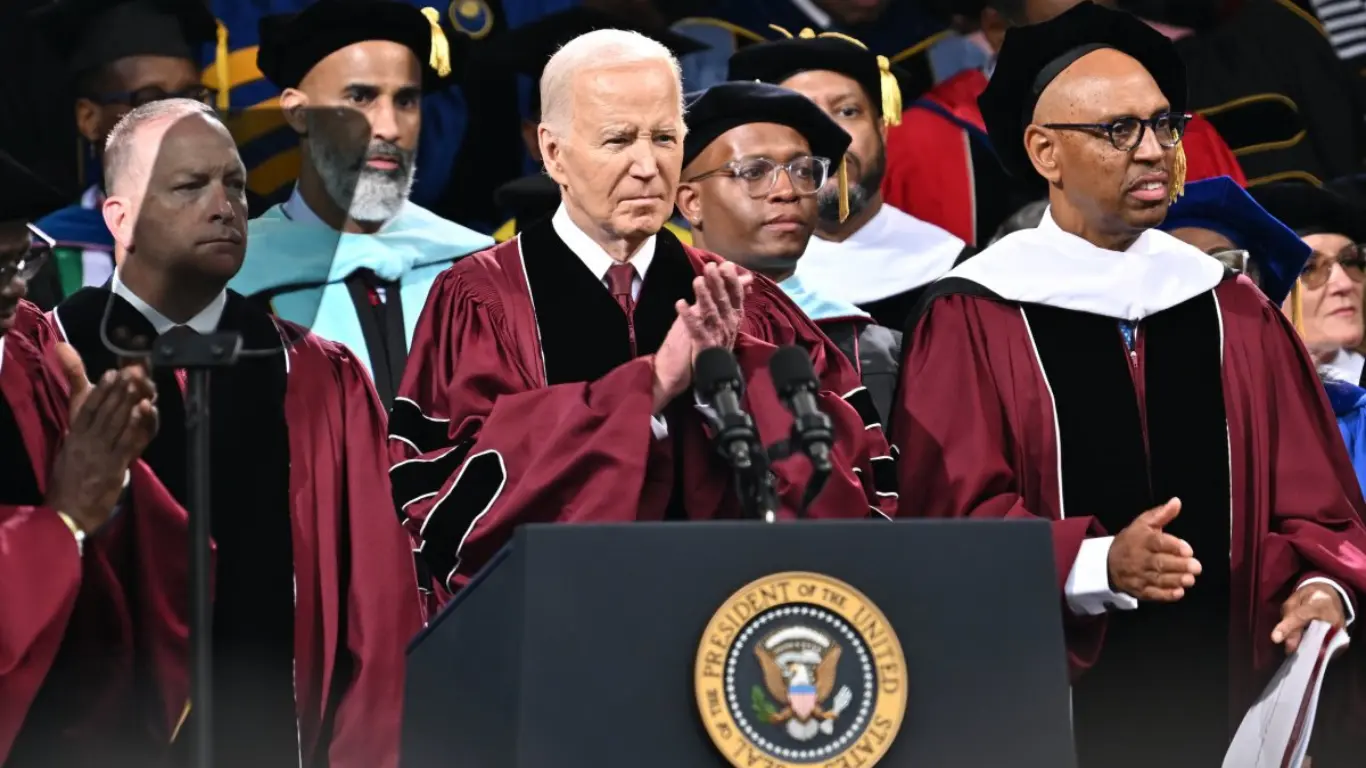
[592,254]
[205,322]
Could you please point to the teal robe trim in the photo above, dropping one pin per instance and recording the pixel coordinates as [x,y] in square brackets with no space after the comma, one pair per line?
[816,305]
[412,249]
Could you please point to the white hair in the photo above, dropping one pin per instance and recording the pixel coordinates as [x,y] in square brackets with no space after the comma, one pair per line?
[119,147]
[595,50]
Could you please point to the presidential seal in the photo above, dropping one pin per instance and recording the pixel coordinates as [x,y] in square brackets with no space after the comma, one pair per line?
[800,669]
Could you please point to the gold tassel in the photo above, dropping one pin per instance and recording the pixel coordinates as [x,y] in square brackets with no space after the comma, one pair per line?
[441,47]
[220,67]
[780,31]
[891,93]
[1297,308]
[1178,180]
[184,715]
[843,182]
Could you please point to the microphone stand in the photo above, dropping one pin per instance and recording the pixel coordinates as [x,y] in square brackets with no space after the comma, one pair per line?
[199,354]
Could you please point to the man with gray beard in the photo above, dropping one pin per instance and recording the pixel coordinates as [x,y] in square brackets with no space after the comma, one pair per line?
[871,255]
[348,255]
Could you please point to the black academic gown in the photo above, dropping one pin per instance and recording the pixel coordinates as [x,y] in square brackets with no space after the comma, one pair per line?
[255,722]
[1274,88]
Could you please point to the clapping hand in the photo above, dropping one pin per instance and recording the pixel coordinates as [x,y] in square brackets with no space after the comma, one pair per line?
[111,424]
[712,321]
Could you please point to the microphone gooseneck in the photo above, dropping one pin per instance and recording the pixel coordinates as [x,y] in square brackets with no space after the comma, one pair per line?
[812,431]
[720,387]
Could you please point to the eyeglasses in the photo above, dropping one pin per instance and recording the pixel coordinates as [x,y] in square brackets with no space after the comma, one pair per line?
[26,263]
[1126,133]
[200,93]
[759,175]
[1317,271]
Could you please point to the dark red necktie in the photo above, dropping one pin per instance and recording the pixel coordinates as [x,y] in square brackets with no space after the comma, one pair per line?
[181,375]
[619,280]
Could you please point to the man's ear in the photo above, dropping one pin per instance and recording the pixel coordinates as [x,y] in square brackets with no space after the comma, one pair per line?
[121,219]
[293,103]
[531,139]
[89,115]
[689,202]
[552,152]
[1042,146]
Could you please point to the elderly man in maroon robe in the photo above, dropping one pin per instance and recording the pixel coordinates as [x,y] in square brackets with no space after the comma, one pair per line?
[549,377]
[70,463]
[1101,374]
[315,596]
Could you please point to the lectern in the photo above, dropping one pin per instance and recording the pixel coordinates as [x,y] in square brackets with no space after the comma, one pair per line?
[852,643]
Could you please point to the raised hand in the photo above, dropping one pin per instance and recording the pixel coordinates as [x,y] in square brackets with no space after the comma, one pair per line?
[1150,564]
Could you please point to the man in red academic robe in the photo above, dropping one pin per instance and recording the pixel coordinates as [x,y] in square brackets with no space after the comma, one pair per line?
[550,376]
[940,164]
[61,587]
[314,592]
[1099,373]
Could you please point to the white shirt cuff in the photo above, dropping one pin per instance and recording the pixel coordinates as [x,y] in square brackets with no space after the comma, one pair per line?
[1346,601]
[1088,584]
[659,427]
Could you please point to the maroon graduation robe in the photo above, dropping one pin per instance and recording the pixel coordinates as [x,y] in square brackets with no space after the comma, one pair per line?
[1014,409]
[353,605]
[51,597]
[523,403]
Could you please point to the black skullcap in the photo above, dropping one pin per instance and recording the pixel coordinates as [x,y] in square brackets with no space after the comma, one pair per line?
[528,48]
[93,33]
[1312,210]
[1033,56]
[729,105]
[777,60]
[24,196]
[293,44]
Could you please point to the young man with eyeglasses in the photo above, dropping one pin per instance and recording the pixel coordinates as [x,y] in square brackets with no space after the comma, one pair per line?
[871,255]
[1334,226]
[120,54]
[1161,412]
[754,159]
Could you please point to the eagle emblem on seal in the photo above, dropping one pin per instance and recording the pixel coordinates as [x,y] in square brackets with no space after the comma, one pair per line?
[799,668]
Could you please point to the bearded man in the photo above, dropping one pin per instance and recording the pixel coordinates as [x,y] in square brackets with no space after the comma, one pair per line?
[348,255]
[551,376]
[869,254]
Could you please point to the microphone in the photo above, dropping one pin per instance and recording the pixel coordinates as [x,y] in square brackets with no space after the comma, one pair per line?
[718,383]
[797,386]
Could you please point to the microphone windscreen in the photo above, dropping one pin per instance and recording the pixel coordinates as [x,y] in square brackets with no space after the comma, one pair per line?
[791,370]
[715,366]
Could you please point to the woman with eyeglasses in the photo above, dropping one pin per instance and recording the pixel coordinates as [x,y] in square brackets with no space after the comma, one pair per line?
[1226,222]
[1331,281]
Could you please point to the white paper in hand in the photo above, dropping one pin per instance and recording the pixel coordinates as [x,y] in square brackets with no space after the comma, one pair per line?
[1275,731]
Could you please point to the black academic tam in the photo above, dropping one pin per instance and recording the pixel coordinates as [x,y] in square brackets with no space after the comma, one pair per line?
[293,44]
[1033,56]
[722,107]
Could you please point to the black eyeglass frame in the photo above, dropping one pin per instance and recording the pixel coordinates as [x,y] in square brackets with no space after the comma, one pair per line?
[1178,123]
[134,99]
